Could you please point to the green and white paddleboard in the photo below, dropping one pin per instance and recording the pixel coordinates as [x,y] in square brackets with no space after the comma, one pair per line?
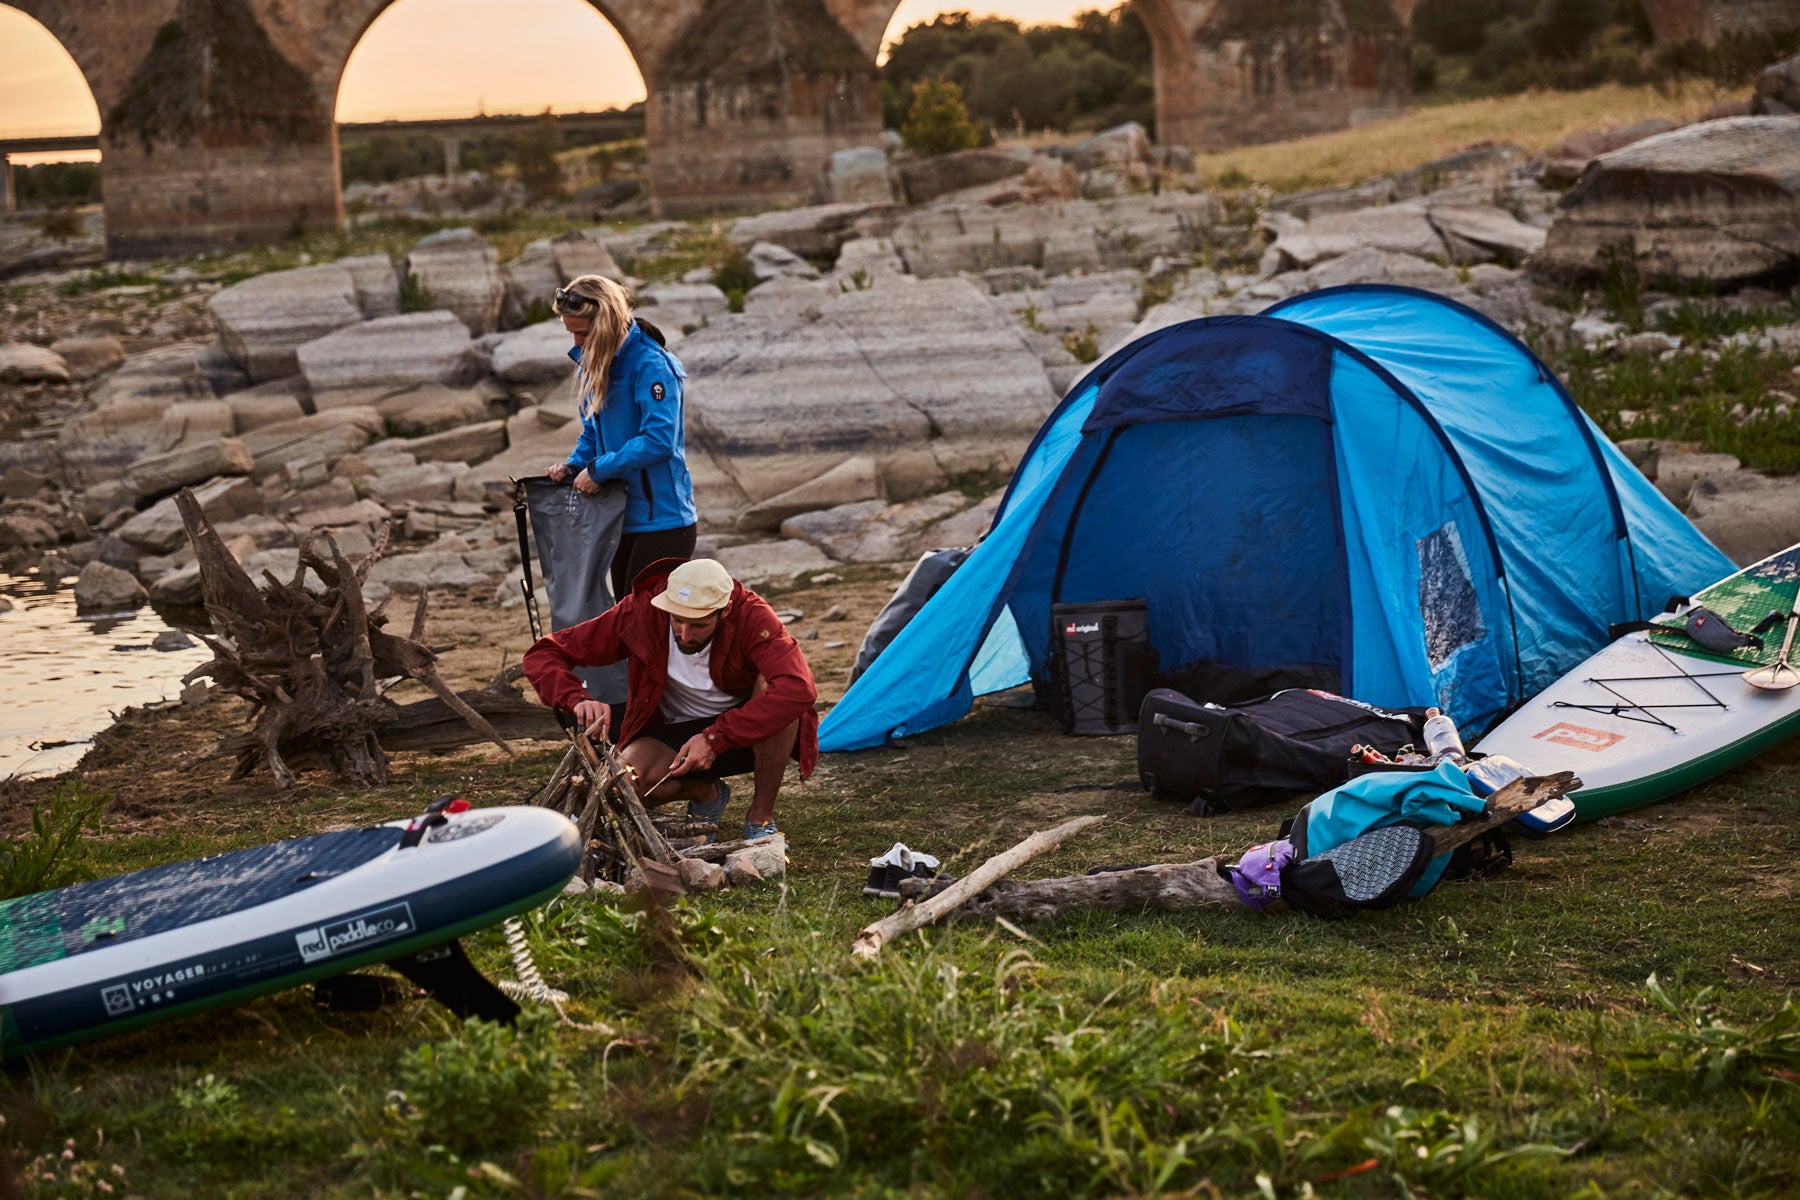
[1653,713]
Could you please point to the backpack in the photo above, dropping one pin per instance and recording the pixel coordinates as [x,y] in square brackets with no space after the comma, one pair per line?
[1219,758]
[1368,844]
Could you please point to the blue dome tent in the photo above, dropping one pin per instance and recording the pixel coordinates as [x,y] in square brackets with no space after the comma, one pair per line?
[1369,488]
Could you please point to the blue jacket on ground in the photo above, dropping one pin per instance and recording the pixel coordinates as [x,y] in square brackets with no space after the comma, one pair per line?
[637,435]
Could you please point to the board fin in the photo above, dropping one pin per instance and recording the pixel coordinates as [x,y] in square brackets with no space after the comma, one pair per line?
[448,976]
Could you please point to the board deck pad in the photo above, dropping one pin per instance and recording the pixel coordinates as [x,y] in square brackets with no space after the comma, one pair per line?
[109,912]
[1653,714]
[1743,600]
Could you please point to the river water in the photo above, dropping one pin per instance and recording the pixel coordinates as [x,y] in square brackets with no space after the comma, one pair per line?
[63,676]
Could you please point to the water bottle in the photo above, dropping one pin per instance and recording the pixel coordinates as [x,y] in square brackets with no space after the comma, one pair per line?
[1441,738]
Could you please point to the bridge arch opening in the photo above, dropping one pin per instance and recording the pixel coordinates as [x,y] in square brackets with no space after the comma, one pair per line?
[44,97]
[431,60]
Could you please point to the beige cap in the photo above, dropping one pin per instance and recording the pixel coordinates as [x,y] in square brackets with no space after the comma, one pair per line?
[696,589]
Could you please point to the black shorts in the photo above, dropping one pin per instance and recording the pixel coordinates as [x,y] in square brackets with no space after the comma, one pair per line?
[739,760]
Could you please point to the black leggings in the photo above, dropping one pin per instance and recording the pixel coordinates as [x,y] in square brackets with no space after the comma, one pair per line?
[638,550]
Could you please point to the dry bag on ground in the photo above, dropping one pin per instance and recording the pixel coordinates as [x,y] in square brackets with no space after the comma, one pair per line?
[1218,758]
[929,574]
[1099,666]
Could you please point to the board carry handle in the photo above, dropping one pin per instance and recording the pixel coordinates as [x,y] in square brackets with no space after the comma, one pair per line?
[1194,730]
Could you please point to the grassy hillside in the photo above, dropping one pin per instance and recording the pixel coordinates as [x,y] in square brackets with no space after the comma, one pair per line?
[1533,121]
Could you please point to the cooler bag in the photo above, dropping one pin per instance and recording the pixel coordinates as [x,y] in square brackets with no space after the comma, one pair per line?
[1099,665]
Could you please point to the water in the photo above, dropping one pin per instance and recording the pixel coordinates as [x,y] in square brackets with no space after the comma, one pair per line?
[62,677]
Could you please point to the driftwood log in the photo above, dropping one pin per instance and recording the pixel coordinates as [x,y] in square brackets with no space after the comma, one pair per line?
[913,916]
[1173,887]
[315,666]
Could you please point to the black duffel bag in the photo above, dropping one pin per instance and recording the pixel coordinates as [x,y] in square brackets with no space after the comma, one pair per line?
[1219,758]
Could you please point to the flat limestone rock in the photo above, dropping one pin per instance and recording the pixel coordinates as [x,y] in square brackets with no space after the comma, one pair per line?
[461,273]
[164,473]
[535,354]
[812,232]
[377,284]
[1714,203]
[90,354]
[928,379]
[399,351]
[158,529]
[266,318]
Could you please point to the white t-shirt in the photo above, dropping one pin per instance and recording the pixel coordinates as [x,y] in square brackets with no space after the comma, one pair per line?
[690,693]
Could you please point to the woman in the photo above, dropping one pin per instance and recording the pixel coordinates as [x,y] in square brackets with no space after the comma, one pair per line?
[631,424]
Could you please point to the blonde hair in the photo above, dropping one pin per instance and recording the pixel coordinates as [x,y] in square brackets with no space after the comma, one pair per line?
[610,309]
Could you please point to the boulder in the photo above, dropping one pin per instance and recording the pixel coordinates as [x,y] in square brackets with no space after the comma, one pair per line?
[536,354]
[814,232]
[432,408]
[855,479]
[464,444]
[158,529]
[683,306]
[101,444]
[1778,89]
[101,588]
[770,261]
[532,277]
[926,179]
[1746,515]
[88,355]
[26,531]
[1675,472]
[952,238]
[765,562]
[928,379]
[377,284]
[460,272]
[1396,228]
[1489,227]
[267,404]
[21,362]
[1565,161]
[578,253]
[871,531]
[788,297]
[424,347]
[191,422]
[427,482]
[427,568]
[859,175]
[628,246]
[439,517]
[266,318]
[161,474]
[1716,203]
[1369,265]
[329,435]
[964,528]
[1119,146]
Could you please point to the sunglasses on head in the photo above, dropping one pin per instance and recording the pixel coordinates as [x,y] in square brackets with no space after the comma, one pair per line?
[574,303]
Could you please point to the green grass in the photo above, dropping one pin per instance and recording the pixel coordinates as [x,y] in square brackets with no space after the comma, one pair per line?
[1496,1039]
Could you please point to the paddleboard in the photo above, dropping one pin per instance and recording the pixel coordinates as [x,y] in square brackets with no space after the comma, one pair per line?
[1654,714]
[100,958]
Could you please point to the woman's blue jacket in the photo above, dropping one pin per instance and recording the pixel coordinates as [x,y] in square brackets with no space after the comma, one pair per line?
[637,435]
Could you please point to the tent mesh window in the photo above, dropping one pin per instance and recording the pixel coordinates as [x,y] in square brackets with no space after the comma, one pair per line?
[1447,599]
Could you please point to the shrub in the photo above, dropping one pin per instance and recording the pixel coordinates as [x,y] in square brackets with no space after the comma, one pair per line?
[414,295]
[539,169]
[937,121]
[488,1084]
[50,855]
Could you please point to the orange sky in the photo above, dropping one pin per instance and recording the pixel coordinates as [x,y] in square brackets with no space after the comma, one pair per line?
[431,58]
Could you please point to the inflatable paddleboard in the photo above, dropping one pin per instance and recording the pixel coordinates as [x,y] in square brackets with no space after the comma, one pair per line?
[1654,713]
[103,957]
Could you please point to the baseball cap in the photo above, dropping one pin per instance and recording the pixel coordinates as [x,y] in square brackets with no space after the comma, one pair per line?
[697,588]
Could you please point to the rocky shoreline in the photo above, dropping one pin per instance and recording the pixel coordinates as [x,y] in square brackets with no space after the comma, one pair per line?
[885,372]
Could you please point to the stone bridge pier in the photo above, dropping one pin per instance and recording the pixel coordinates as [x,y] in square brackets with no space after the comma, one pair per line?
[1238,72]
[217,128]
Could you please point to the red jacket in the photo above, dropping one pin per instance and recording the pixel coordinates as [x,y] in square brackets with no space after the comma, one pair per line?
[751,641]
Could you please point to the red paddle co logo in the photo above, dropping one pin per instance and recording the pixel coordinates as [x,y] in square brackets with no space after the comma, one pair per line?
[377,925]
[1579,737]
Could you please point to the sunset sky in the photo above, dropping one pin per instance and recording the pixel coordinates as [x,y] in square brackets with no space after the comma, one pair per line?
[431,58]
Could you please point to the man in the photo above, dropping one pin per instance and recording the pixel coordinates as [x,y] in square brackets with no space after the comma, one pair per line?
[716,686]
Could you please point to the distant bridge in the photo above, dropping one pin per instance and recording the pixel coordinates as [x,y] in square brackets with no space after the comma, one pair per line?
[614,124]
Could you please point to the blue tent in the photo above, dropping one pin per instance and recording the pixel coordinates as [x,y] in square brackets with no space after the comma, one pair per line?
[1368,485]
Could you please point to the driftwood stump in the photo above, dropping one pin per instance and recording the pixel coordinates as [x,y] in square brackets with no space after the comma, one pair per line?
[315,665]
